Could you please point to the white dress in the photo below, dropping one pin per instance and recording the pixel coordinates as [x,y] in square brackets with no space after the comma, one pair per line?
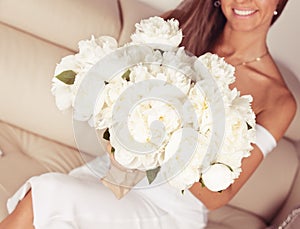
[80,201]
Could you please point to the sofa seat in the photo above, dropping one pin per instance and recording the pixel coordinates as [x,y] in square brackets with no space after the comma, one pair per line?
[25,155]
[264,194]
[229,217]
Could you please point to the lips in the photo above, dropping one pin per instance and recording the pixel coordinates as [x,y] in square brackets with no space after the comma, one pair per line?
[243,12]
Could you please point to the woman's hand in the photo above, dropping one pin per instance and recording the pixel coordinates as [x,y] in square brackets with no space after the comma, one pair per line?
[114,161]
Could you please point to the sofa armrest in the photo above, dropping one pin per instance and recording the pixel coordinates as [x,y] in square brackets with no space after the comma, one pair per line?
[63,22]
[292,202]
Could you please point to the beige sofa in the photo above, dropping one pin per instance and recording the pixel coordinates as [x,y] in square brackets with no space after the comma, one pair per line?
[36,138]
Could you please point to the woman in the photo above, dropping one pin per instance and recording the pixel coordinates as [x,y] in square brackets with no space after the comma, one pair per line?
[233,29]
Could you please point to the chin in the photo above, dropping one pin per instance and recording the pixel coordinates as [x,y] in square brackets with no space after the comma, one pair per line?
[245,27]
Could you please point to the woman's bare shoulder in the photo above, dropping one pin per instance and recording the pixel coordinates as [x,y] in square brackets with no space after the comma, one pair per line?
[280,105]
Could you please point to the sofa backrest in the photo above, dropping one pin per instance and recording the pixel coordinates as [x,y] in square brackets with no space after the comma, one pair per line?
[63,22]
[32,43]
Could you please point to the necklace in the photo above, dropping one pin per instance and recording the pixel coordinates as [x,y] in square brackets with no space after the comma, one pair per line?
[257,59]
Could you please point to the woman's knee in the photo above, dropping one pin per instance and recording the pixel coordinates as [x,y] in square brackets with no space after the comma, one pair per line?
[21,217]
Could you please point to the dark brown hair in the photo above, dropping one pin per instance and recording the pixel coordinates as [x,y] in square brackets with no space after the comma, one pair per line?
[202,23]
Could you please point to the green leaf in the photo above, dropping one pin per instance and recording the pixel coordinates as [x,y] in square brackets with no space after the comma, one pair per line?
[249,127]
[106,134]
[161,51]
[220,163]
[201,182]
[152,174]
[113,150]
[68,77]
[231,169]
[126,75]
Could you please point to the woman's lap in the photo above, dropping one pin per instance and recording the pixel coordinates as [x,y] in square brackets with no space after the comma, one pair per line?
[65,201]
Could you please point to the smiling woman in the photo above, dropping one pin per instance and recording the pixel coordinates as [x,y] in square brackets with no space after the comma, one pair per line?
[236,30]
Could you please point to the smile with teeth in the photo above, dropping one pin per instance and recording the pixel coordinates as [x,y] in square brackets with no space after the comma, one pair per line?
[244,12]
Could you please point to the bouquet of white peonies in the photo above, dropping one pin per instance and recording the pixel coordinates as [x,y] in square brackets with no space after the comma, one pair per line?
[169,114]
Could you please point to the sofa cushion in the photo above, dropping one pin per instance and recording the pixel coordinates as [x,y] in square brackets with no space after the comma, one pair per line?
[4,195]
[271,183]
[291,202]
[26,69]
[229,217]
[27,155]
[292,221]
[63,22]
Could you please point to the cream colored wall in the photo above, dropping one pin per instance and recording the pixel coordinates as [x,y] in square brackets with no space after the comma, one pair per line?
[162,5]
[284,37]
[285,48]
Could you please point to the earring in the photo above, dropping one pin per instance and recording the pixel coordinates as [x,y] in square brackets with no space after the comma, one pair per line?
[275,13]
[217,3]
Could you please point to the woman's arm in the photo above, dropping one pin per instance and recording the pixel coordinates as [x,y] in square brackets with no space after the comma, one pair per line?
[276,119]
[214,200]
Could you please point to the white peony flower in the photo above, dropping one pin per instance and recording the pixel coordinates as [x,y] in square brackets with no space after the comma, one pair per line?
[63,94]
[91,51]
[217,177]
[114,89]
[180,61]
[103,119]
[132,154]
[178,79]
[140,73]
[186,178]
[200,108]
[222,72]
[68,63]
[156,30]
[103,111]
[184,155]
[144,117]
[165,113]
